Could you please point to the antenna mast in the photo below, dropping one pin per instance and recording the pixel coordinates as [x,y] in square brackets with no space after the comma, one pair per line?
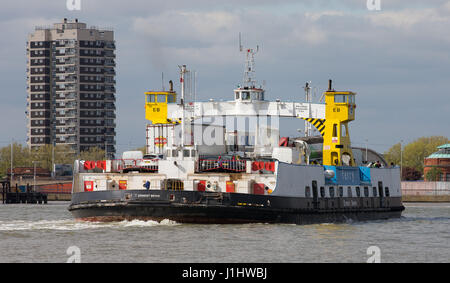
[183,72]
[249,80]
[308,126]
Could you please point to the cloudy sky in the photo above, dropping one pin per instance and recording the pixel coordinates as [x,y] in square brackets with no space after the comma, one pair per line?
[397,59]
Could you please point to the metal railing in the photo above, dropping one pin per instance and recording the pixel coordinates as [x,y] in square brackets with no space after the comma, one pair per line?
[58,188]
[118,165]
[221,164]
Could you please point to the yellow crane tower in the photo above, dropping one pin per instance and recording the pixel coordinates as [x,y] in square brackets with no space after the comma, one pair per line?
[339,110]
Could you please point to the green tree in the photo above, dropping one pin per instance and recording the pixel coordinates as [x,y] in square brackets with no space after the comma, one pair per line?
[47,154]
[415,152]
[434,174]
[94,153]
[393,154]
[44,156]
[21,158]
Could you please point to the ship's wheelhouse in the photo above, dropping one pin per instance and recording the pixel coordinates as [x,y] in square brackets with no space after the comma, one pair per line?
[248,94]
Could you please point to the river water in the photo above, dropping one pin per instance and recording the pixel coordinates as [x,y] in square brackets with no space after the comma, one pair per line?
[48,233]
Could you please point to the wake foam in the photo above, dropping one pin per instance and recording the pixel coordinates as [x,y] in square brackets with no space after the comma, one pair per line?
[74,225]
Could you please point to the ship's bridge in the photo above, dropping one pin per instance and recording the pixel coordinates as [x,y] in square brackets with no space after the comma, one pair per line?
[248,94]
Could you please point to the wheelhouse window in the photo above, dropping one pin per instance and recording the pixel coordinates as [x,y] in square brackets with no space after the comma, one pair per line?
[351,99]
[340,98]
[171,98]
[151,98]
[161,98]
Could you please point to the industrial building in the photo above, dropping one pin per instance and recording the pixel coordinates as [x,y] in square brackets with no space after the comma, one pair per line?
[441,161]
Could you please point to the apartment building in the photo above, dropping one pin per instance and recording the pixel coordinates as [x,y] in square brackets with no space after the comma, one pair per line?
[71,87]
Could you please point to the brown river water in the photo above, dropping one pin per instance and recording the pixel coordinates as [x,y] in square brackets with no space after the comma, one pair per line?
[48,233]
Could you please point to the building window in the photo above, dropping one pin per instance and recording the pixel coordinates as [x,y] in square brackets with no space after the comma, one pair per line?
[341,191]
[349,192]
[374,191]
[386,191]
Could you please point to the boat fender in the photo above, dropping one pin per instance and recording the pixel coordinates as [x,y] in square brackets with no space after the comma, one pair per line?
[329,174]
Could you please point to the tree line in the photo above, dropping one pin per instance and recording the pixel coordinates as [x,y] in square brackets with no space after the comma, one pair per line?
[412,156]
[44,156]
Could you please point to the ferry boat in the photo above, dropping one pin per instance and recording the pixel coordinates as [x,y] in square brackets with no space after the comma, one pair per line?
[278,180]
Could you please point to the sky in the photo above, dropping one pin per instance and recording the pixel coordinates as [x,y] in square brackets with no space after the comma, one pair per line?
[397,58]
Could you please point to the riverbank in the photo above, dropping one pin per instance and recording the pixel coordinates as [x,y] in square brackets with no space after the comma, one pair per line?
[421,191]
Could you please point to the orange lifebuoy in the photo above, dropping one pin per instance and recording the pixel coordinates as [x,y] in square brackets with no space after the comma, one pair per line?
[270,166]
[101,164]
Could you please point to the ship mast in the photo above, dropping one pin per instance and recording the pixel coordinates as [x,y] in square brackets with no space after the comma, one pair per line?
[182,73]
[308,126]
[249,80]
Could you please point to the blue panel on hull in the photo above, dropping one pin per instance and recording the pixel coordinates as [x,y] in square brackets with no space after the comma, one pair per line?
[364,173]
[331,180]
[344,175]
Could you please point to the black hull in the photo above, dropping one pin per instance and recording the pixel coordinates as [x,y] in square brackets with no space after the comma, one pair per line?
[218,208]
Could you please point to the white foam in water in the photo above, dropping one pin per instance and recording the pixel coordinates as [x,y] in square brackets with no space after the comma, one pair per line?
[71,224]
[149,223]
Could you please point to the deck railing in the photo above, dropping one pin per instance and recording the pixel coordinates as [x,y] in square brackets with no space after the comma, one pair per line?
[221,164]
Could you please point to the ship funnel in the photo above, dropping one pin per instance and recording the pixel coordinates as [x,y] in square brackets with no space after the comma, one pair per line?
[170,85]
